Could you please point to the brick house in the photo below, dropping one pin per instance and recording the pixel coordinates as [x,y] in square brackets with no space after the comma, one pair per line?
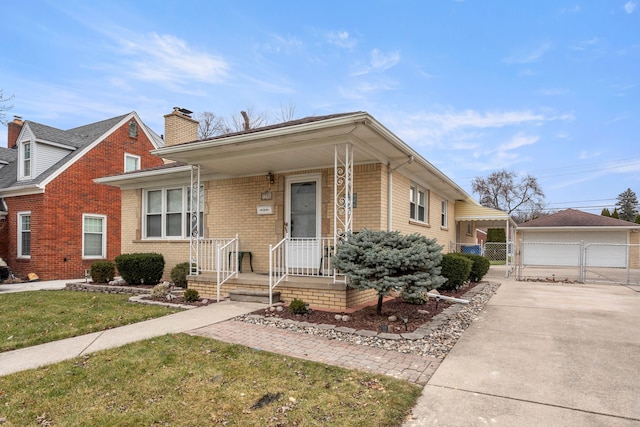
[54,220]
[262,209]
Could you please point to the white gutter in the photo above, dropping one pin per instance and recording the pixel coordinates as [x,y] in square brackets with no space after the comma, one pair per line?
[24,190]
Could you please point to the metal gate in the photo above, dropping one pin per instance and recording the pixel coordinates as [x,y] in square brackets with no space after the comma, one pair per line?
[579,262]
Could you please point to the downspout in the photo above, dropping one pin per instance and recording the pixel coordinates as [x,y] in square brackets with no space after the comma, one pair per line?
[390,190]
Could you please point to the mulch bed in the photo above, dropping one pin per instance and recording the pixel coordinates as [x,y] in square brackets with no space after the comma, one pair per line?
[367,319]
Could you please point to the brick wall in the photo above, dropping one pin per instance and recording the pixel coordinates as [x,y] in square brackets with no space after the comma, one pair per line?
[402,222]
[56,215]
[328,296]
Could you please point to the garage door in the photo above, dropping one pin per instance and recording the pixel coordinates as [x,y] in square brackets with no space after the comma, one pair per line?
[604,248]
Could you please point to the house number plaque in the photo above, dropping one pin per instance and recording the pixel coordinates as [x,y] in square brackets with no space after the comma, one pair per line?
[265,210]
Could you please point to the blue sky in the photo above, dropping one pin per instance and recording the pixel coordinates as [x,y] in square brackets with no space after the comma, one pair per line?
[551,89]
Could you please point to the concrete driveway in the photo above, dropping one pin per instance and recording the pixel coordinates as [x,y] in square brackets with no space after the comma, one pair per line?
[542,354]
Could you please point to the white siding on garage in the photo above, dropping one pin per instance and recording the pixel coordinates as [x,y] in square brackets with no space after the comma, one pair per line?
[562,248]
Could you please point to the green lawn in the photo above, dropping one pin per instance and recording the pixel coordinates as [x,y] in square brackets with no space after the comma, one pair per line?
[182,380]
[30,318]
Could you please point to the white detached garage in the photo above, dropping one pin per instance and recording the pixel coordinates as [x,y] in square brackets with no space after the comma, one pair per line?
[575,238]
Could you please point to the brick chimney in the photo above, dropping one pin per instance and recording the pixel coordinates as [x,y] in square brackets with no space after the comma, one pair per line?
[179,127]
[13,131]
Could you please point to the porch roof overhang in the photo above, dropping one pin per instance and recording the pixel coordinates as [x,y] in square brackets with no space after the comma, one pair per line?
[174,173]
[306,146]
[484,217]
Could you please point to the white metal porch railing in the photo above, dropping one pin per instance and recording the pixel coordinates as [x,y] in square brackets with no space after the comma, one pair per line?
[300,257]
[226,262]
[218,256]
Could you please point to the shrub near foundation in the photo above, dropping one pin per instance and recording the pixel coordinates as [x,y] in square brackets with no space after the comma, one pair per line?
[179,274]
[456,269]
[141,268]
[479,268]
[102,271]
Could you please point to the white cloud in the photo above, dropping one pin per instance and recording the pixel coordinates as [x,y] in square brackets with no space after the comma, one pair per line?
[342,39]
[519,140]
[280,44]
[166,58]
[528,56]
[379,62]
[629,7]
[383,61]
[585,155]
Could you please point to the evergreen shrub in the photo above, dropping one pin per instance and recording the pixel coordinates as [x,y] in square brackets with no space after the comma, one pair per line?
[298,306]
[479,268]
[141,268]
[456,269]
[179,274]
[102,271]
[191,295]
[389,261]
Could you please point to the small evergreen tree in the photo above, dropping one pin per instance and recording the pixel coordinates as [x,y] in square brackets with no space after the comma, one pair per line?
[388,260]
[605,212]
[615,214]
[637,219]
[496,235]
[628,205]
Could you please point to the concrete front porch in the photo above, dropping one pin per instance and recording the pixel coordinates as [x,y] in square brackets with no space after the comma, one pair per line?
[318,292]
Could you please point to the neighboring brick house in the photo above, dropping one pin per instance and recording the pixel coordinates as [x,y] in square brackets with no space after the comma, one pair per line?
[54,220]
[288,192]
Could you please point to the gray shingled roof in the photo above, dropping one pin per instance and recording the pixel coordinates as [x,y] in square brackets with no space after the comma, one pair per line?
[78,138]
[8,154]
[576,218]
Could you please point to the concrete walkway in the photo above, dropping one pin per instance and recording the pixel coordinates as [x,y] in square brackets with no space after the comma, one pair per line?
[542,354]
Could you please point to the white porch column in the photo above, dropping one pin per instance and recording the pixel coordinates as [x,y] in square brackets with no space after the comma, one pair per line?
[194,221]
[342,191]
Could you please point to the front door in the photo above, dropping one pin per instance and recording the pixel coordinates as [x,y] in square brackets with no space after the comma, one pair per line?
[303,223]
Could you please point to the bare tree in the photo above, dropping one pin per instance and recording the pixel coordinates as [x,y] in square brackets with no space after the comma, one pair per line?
[4,107]
[248,119]
[211,125]
[522,200]
[287,112]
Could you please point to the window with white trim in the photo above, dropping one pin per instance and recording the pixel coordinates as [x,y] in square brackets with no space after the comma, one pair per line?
[167,213]
[418,204]
[131,162]
[26,163]
[24,234]
[94,241]
[443,220]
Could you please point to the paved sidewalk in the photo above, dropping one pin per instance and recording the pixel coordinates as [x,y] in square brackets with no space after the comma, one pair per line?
[417,369]
[6,288]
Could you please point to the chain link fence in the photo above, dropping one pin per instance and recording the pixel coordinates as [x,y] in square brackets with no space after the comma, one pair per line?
[498,253]
[579,262]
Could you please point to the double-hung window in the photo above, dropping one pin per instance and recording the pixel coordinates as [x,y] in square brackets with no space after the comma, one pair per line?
[26,160]
[24,234]
[167,213]
[94,241]
[418,204]
[443,216]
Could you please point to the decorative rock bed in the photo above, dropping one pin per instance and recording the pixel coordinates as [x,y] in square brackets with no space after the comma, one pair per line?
[107,289]
[435,338]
